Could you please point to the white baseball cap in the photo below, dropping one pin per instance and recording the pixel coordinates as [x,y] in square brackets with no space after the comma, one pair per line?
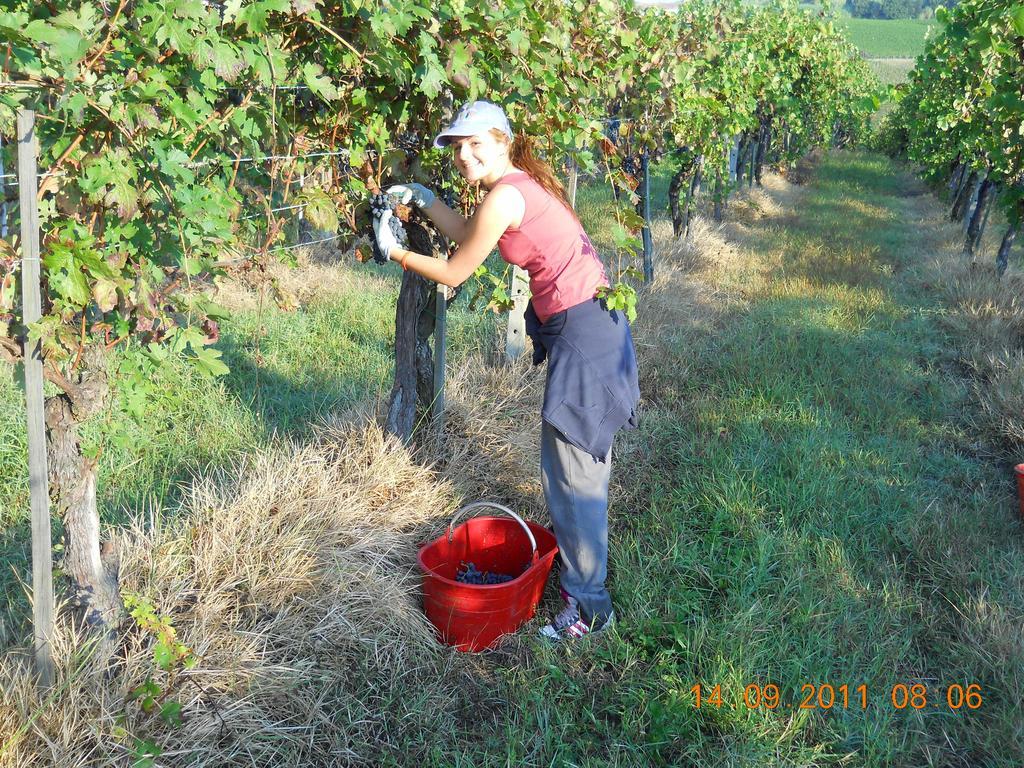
[475,117]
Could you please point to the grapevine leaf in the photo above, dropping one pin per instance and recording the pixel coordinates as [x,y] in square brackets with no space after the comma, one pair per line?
[170,713]
[64,276]
[432,79]
[64,44]
[228,63]
[321,211]
[318,83]
[163,656]
[1017,19]
[208,361]
[231,9]
[111,179]
[211,309]
[519,41]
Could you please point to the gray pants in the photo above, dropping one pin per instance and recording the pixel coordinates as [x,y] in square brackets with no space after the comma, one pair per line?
[576,492]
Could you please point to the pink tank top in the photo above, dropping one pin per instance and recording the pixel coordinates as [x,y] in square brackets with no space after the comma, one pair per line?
[552,247]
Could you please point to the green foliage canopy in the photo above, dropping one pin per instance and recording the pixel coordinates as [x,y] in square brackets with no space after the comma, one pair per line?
[173,129]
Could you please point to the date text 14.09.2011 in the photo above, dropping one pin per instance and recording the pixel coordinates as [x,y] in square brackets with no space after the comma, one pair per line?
[956,696]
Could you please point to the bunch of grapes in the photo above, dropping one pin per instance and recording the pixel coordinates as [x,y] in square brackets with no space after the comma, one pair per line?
[408,141]
[381,203]
[378,205]
[468,574]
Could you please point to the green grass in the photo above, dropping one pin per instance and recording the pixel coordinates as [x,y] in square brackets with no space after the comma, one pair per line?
[890,72]
[888,38]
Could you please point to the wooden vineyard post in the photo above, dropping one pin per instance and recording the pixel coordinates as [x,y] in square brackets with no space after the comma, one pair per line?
[718,194]
[979,240]
[42,554]
[692,194]
[972,201]
[1003,257]
[960,201]
[646,231]
[755,148]
[978,219]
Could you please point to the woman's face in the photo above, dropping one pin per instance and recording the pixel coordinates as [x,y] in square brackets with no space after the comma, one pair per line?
[479,157]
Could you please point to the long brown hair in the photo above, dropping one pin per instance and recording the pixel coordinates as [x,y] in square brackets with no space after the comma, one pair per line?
[521,156]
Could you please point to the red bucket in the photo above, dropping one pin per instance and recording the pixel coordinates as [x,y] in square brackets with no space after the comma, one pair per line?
[473,616]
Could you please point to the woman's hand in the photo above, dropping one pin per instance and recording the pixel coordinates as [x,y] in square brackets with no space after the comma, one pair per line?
[503,205]
[417,194]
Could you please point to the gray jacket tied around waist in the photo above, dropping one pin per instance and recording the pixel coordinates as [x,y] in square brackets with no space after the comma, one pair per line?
[592,389]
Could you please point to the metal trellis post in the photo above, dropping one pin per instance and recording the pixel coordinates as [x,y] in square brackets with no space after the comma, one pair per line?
[573,183]
[3,193]
[42,555]
[515,336]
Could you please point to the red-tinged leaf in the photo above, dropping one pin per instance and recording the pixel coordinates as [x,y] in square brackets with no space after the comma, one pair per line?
[104,293]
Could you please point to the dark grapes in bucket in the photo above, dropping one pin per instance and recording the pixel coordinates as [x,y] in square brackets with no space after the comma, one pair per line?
[468,574]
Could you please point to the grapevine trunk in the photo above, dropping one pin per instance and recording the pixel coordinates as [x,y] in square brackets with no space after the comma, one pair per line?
[976,226]
[963,197]
[90,566]
[1003,259]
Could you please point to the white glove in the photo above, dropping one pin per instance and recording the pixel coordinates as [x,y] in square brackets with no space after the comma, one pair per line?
[414,193]
[386,240]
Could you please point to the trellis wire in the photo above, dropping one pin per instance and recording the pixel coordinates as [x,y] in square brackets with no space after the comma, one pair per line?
[273,210]
[304,245]
[42,175]
[264,158]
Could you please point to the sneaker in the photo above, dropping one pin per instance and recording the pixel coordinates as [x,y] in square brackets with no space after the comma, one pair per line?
[569,624]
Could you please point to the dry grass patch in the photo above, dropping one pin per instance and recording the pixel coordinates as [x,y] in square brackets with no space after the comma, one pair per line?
[987,309]
[489,446]
[1002,394]
[292,580]
[985,313]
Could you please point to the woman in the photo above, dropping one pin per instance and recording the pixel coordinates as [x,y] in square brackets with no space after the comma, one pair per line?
[591,389]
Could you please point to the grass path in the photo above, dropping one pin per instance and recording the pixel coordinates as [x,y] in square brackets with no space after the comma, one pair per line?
[818,514]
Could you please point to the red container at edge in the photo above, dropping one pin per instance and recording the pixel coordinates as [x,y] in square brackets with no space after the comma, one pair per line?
[1019,471]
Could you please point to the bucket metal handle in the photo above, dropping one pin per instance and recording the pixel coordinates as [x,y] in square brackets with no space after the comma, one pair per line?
[501,507]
